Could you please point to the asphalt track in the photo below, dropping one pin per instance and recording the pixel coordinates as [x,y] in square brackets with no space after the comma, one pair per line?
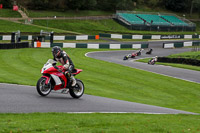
[117,57]
[25,99]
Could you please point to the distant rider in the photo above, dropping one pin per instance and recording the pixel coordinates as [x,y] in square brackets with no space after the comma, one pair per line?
[68,66]
[155,58]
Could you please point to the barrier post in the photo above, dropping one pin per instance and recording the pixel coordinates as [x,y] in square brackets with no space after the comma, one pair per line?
[13,37]
[18,37]
[51,37]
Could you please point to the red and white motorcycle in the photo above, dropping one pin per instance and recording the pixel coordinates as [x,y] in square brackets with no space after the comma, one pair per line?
[152,61]
[54,79]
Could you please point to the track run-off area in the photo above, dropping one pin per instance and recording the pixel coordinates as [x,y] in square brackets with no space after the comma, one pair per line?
[25,99]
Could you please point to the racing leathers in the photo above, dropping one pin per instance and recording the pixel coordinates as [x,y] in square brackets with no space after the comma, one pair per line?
[67,64]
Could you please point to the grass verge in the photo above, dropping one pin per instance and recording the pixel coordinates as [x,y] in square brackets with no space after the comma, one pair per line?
[191,55]
[94,27]
[7,27]
[9,13]
[104,79]
[62,122]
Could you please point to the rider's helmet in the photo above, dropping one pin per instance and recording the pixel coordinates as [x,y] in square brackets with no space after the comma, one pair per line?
[56,51]
[156,56]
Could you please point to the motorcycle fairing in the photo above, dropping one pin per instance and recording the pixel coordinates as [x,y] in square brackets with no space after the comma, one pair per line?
[77,71]
[48,78]
[56,79]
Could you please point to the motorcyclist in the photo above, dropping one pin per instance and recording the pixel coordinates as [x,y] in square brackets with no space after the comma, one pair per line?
[133,55]
[139,52]
[155,58]
[68,66]
[150,51]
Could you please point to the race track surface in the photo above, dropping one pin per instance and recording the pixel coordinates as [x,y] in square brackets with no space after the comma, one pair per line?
[24,99]
[117,57]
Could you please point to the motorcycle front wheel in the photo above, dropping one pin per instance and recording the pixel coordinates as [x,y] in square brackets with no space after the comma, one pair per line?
[42,88]
[78,90]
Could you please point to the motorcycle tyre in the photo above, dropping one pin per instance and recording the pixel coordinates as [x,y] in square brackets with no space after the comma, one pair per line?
[71,90]
[38,87]
[125,58]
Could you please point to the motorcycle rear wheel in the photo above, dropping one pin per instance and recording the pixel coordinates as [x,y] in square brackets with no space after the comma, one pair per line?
[42,88]
[78,90]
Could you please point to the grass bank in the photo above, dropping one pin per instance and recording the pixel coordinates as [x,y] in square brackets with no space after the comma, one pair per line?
[79,123]
[189,55]
[7,27]
[104,79]
[9,13]
[94,27]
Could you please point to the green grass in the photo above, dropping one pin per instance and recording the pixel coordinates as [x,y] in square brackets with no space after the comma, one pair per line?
[98,123]
[7,27]
[90,27]
[36,13]
[9,13]
[104,79]
[190,55]
[94,27]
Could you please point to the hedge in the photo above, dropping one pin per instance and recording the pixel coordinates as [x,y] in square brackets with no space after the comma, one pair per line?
[194,62]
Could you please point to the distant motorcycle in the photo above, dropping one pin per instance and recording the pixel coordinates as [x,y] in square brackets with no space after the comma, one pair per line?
[152,61]
[150,51]
[126,57]
[139,52]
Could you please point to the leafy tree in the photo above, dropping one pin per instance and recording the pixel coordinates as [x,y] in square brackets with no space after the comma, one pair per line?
[124,5]
[106,5]
[6,3]
[175,5]
[153,3]
[75,4]
[38,4]
[195,5]
[89,5]
[58,5]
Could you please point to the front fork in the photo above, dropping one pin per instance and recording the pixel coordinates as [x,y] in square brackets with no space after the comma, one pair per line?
[47,82]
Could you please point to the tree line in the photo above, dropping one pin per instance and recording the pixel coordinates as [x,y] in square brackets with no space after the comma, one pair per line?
[106,5]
